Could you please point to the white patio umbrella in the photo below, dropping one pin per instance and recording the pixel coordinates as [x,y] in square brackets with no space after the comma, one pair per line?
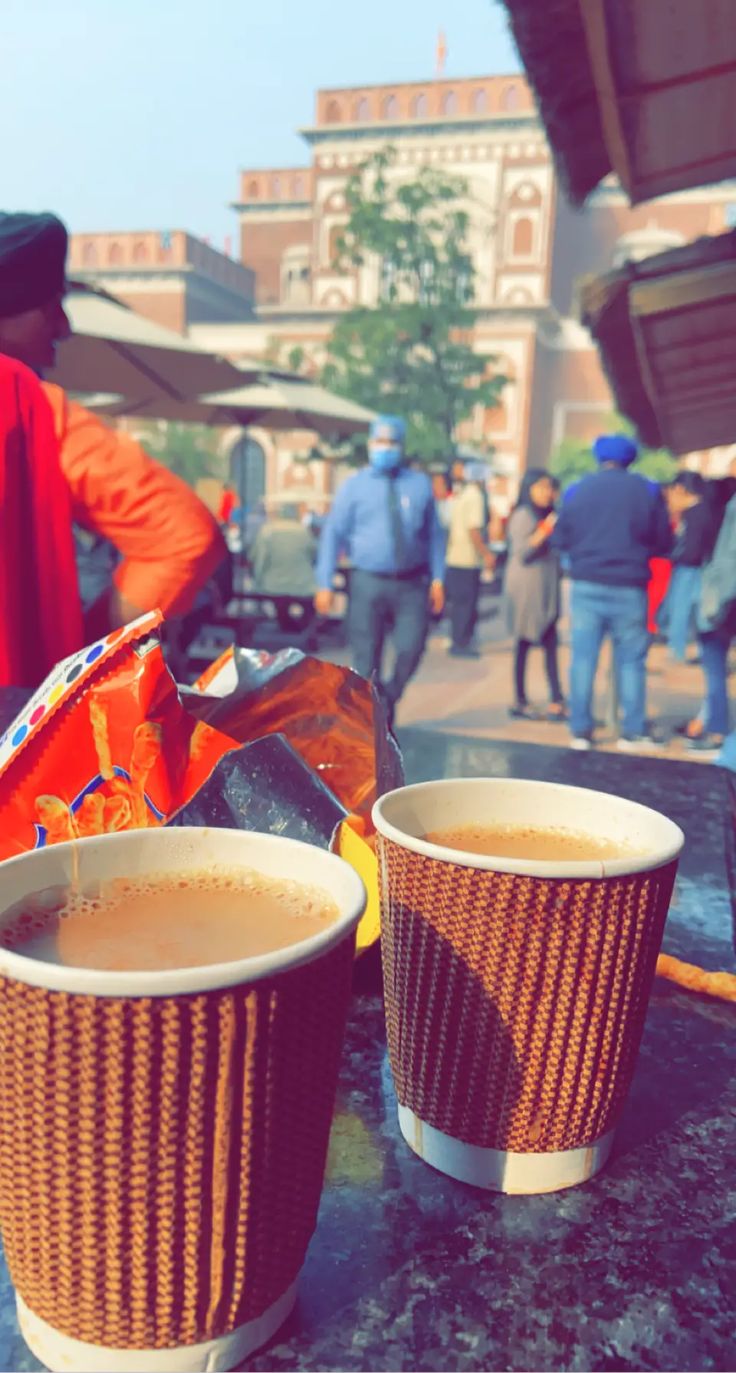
[276,401]
[114,350]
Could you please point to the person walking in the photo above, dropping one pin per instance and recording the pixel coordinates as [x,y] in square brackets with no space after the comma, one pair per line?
[467,554]
[717,627]
[693,546]
[282,562]
[532,588]
[384,519]
[282,555]
[610,524]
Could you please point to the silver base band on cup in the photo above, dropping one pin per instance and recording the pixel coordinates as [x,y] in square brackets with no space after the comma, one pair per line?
[499,1170]
[64,1354]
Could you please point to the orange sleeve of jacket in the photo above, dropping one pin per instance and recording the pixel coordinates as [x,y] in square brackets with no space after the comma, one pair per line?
[169,542]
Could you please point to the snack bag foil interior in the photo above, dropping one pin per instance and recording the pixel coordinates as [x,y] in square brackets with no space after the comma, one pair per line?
[333,719]
[108,743]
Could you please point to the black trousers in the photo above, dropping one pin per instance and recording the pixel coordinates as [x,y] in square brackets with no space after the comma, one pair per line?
[383,606]
[548,642]
[462,589]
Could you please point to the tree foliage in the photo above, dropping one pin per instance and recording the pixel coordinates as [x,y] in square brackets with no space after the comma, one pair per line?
[411,353]
[573,458]
[189,450]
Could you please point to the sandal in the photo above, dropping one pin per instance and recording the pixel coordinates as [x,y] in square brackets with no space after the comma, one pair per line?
[523,713]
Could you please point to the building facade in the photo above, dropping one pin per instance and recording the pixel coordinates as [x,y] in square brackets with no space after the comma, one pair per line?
[172,277]
[531,250]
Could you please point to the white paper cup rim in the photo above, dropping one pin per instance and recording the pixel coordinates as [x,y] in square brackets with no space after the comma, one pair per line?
[302,862]
[662,846]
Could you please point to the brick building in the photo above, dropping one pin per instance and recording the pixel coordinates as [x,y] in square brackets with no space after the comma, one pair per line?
[530,248]
[172,278]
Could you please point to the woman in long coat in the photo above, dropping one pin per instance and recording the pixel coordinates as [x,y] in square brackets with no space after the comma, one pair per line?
[533,588]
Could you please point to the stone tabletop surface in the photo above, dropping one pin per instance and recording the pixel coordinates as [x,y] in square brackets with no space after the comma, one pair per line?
[634,1270]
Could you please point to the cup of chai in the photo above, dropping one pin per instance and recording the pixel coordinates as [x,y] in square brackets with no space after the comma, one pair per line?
[521,923]
[172,1010]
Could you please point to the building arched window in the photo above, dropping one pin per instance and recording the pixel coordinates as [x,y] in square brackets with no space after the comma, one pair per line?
[89,255]
[480,102]
[275,187]
[334,239]
[333,113]
[254,190]
[298,187]
[510,98]
[449,103]
[115,254]
[390,107]
[140,252]
[419,106]
[362,110]
[522,240]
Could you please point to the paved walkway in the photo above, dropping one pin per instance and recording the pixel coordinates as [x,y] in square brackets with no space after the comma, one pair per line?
[468,696]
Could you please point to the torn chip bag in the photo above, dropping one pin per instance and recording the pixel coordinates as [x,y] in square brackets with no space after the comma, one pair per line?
[104,745]
[109,743]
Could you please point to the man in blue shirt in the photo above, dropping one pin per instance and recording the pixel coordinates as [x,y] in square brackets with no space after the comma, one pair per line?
[384,519]
[611,524]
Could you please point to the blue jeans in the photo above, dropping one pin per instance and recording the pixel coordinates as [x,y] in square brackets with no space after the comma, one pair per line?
[714,652]
[727,755]
[680,609]
[596,612]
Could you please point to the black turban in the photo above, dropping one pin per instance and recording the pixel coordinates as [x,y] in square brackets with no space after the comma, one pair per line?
[32,261]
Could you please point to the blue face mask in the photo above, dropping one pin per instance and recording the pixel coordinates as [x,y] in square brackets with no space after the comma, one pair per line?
[386,459]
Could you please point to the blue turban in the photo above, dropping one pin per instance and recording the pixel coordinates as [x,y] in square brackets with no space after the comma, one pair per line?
[616,448]
[388,427]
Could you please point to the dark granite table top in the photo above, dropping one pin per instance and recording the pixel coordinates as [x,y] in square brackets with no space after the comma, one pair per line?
[634,1270]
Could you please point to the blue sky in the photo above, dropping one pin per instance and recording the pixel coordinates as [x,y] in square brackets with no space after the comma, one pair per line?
[136,114]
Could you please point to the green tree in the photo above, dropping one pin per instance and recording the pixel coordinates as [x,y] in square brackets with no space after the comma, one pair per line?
[572,458]
[411,354]
[189,450]
[287,358]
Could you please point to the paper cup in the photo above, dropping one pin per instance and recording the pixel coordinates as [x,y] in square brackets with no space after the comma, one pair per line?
[516,990]
[163,1134]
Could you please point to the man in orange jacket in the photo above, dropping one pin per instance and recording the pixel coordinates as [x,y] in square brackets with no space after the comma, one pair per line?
[168,542]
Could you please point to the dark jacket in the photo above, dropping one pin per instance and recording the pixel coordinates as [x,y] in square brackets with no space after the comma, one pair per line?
[694,539]
[610,525]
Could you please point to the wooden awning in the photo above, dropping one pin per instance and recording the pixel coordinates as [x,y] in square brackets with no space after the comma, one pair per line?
[666,328]
[642,88]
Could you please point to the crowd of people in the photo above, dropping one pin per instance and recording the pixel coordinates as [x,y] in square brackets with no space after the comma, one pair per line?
[617,537]
[415,549]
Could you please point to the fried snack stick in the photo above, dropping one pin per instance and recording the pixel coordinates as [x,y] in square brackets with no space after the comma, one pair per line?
[146,753]
[199,742]
[90,818]
[694,979]
[118,814]
[56,818]
[101,737]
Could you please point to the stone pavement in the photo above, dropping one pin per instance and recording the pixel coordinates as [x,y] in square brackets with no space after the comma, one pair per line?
[472,696]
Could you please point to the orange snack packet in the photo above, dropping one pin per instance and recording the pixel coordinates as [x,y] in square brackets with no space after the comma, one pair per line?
[334,719]
[103,745]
